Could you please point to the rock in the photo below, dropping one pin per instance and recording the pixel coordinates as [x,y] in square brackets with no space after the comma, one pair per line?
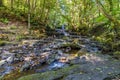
[10,59]
[71,46]
[52,75]
[56,65]
[6,54]
[78,61]
[18,57]
[63,59]
[60,52]
[68,49]
[8,69]
[45,55]
[41,70]
[2,62]
[51,58]
[29,42]
[47,49]
[28,58]
[25,67]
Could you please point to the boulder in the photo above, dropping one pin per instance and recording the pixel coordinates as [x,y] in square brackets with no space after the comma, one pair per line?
[25,67]
[52,75]
[10,59]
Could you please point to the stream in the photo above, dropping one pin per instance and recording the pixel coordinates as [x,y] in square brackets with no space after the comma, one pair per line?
[51,53]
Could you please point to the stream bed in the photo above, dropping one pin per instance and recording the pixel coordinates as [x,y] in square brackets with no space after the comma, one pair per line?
[51,53]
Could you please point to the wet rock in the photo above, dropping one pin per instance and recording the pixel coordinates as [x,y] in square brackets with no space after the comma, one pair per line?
[78,60]
[52,75]
[41,70]
[68,49]
[2,62]
[45,55]
[29,42]
[63,59]
[10,59]
[6,54]
[51,58]
[7,70]
[53,66]
[25,67]
[47,49]
[18,58]
[56,65]
[60,52]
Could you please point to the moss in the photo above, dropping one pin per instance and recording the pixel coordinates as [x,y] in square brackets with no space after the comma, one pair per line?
[71,45]
[20,37]
[3,43]
[1,77]
[52,75]
[16,74]
[116,45]
[116,54]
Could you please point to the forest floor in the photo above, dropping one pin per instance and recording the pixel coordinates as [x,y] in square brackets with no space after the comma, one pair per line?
[52,58]
[15,31]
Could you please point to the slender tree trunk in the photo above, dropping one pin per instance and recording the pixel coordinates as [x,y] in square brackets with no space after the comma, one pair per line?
[111,4]
[1,3]
[29,11]
[12,4]
[118,5]
[42,10]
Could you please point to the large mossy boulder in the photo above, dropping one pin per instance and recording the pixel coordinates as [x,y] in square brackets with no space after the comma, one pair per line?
[52,75]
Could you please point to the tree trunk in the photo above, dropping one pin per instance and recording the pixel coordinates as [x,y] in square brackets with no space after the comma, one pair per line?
[29,11]
[111,4]
[12,4]
[1,3]
[111,18]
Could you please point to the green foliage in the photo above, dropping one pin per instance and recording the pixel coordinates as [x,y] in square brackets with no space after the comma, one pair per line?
[55,13]
[117,54]
[20,37]
[4,20]
[13,27]
[100,19]
[89,17]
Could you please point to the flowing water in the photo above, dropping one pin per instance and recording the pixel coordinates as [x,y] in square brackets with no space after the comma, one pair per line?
[41,56]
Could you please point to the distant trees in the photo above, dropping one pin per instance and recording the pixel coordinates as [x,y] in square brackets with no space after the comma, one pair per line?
[75,13]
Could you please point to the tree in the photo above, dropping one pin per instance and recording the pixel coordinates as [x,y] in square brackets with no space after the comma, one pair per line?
[1,3]
[110,17]
[12,4]
[29,12]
